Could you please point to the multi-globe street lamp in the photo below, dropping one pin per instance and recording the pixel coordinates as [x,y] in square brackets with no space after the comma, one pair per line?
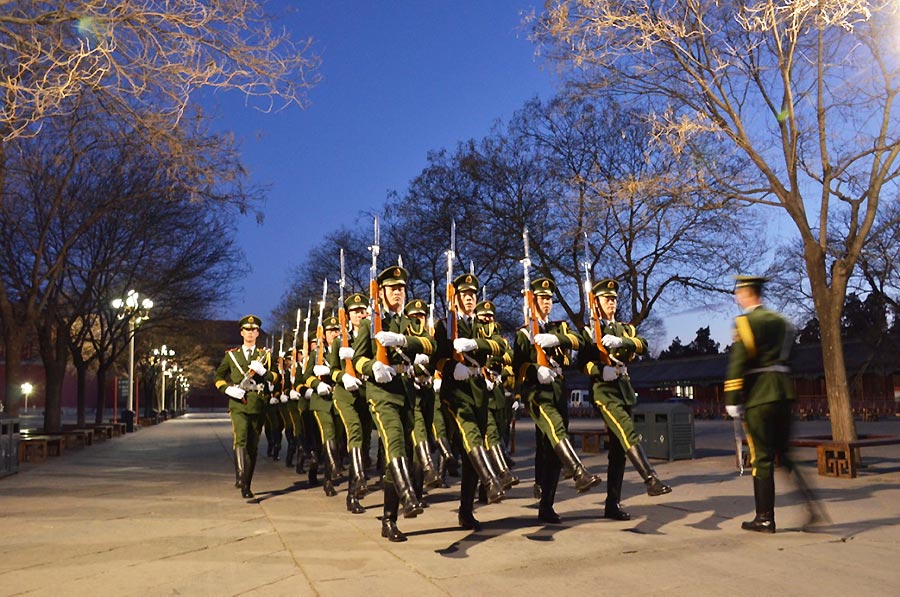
[135,310]
[162,356]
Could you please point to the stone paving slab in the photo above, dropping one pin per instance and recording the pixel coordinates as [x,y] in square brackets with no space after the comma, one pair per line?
[155,513]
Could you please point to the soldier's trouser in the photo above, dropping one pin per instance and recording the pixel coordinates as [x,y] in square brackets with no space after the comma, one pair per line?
[618,420]
[311,437]
[768,429]
[420,427]
[471,422]
[394,423]
[615,471]
[547,418]
[325,423]
[439,420]
[492,433]
[246,428]
[345,405]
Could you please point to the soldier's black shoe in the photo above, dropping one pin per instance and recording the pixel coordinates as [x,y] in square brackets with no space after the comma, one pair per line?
[313,477]
[328,486]
[353,505]
[275,452]
[615,512]
[549,515]
[536,491]
[269,449]
[246,493]
[759,524]
[468,522]
[656,487]
[390,531]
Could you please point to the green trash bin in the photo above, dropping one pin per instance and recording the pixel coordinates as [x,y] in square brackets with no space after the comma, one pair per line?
[9,445]
[666,430]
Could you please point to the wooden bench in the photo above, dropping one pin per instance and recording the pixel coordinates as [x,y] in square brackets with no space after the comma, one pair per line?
[836,458]
[592,440]
[32,448]
[118,429]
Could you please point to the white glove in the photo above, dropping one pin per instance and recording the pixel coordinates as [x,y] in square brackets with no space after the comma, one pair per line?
[273,400]
[382,373]
[283,398]
[610,341]
[545,375]
[546,340]
[464,345]
[295,395]
[390,338]
[516,405]
[257,367]
[235,392]
[609,373]
[351,383]
[308,393]
[421,359]
[345,352]
[460,372]
[489,384]
[320,370]
[436,384]
[735,411]
[323,389]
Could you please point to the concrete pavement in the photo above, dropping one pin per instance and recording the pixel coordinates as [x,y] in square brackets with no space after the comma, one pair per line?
[155,513]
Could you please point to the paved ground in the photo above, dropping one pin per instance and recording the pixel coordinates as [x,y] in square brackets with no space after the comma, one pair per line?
[155,513]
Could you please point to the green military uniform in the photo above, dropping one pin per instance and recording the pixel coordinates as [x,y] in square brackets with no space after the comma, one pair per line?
[498,405]
[322,405]
[542,389]
[311,435]
[246,405]
[614,396]
[464,394]
[290,414]
[758,381]
[391,396]
[350,404]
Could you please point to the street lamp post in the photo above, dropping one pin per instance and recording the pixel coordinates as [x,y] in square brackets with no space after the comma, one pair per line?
[163,354]
[27,388]
[136,311]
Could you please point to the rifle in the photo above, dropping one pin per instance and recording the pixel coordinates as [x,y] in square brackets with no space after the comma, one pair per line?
[320,330]
[375,302]
[593,307]
[281,358]
[342,318]
[294,347]
[739,443]
[306,336]
[452,323]
[431,311]
[532,325]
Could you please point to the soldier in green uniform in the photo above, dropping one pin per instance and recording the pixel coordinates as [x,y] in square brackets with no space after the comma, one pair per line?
[273,424]
[311,435]
[464,393]
[542,389]
[318,379]
[614,396]
[426,474]
[757,387]
[243,376]
[498,405]
[290,413]
[350,398]
[382,358]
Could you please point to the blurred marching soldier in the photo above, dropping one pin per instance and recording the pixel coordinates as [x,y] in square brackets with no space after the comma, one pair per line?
[613,394]
[273,424]
[462,357]
[244,375]
[383,358]
[758,388]
[543,391]
[311,435]
[426,474]
[317,377]
[350,398]
[498,406]
[290,413]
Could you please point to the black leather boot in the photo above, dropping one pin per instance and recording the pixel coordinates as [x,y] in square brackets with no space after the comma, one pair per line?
[289,454]
[469,480]
[639,459]
[389,528]
[409,505]
[481,462]
[358,473]
[431,476]
[446,457]
[276,450]
[238,469]
[571,462]
[615,473]
[549,481]
[313,474]
[764,496]
[331,468]
[507,479]
[245,463]
[353,505]
[302,455]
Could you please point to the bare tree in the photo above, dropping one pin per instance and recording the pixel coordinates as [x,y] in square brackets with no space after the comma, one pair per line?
[805,90]
[144,61]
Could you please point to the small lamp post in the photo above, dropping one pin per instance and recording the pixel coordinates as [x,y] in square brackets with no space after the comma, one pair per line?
[135,310]
[27,388]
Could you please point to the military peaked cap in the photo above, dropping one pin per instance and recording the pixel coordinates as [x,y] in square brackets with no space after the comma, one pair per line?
[485,308]
[543,286]
[393,276]
[251,321]
[466,282]
[414,307]
[357,300]
[749,282]
[606,287]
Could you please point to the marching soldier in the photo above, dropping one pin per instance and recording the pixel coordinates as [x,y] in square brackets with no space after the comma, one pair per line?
[243,376]
[317,378]
[350,399]
[543,390]
[498,406]
[614,396]
[464,394]
[390,391]
[758,388]
[310,435]
[290,413]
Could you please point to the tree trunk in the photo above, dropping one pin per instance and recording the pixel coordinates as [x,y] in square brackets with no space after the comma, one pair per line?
[81,382]
[14,339]
[101,393]
[55,356]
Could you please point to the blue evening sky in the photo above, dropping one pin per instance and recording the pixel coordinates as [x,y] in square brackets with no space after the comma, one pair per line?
[400,78]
